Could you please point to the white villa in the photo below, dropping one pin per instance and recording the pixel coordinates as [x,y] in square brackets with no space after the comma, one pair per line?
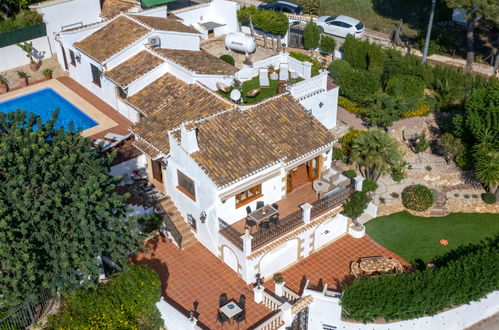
[218,162]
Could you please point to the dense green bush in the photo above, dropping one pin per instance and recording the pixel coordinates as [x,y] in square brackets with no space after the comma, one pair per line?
[149,222]
[350,173]
[347,140]
[127,301]
[23,19]
[339,68]
[489,198]
[360,86]
[405,86]
[227,58]
[441,42]
[369,185]
[355,52]
[316,65]
[355,206]
[417,197]
[461,276]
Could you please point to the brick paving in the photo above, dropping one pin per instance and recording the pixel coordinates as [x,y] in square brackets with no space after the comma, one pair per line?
[123,123]
[194,279]
[331,264]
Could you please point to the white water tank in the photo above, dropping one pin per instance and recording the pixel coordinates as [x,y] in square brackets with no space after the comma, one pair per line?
[240,42]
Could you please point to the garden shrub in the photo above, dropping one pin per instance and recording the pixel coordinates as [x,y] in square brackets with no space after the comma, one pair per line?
[355,206]
[316,65]
[360,86]
[149,222]
[347,140]
[127,301]
[417,197]
[338,154]
[227,58]
[489,198]
[350,106]
[405,86]
[463,275]
[465,158]
[23,19]
[441,41]
[339,68]
[369,185]
[355,52]
[421,110]
[350,173]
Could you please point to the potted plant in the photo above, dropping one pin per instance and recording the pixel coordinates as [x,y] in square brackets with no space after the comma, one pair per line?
[28,48]
[4,87]
[47,73]
[278,284]
[271,68]
[23,78]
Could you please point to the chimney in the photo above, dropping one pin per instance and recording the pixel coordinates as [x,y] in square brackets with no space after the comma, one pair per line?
[188,139]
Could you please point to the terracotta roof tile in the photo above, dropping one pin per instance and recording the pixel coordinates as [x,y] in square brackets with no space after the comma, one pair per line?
[289,126]
[168,102]
[227,153]
[112,38]
[146,148]
[133,68]
[166,24]
[111,8]
[198,61]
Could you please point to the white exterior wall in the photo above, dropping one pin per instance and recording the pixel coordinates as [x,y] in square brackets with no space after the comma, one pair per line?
[211,80]
[128,112]
[67,13]
[127,167]
[173,318]
[12,56]
[177,40]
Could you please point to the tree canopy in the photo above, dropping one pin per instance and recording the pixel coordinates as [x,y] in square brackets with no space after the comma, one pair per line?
[311,36]
[376,153]
[58,210]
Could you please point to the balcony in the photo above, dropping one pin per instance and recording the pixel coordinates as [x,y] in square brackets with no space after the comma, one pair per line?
[290,215]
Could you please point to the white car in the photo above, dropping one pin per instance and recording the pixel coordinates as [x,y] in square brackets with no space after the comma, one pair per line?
[341,26]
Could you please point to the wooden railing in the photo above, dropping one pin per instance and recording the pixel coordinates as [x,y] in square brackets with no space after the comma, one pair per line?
[231,234]
[286,224]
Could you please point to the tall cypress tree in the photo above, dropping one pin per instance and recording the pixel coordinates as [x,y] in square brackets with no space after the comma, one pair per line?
[58,210]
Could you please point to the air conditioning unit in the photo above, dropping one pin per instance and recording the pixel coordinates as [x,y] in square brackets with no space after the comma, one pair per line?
[154,42]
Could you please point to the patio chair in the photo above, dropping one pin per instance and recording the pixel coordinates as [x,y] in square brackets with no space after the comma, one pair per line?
[223,88]
[248,210]
[260,204]
[223,300]
[242,301]
[222,318]
[240,317]
[250,223]
[253,92]
[275,220]
[264,225]
[263,77]
[283,72]
[275,206]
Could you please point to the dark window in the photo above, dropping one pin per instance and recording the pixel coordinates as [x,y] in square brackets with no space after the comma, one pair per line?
[121,92]
[186,185]
[359,26]
[72,57]
[346,25]
[192,222]
[95,74]
[249,195]
[336,23]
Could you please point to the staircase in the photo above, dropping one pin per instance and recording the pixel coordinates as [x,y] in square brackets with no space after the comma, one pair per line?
[175,223]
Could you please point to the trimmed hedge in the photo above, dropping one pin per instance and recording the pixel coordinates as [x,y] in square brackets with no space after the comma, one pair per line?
[127,301]
[417,197]
[405,86]
[369,185]
[227,58]
[338,68]
[463,275]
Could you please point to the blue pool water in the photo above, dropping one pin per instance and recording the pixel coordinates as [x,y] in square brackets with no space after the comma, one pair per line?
[43,102]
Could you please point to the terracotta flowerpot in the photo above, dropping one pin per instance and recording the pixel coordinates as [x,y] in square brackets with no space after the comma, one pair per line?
[33,66]
[48,76]
[4,88]
[23,82]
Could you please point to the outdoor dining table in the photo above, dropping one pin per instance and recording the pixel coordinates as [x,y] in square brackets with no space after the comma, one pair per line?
[263,213]
[231,309]
[376,265]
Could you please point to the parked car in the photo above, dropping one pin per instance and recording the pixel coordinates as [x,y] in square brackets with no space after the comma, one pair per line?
[284,6]
[341,26]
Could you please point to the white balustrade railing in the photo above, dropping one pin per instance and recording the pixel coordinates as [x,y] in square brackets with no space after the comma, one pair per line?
[270,301]
[290,294]
[272,323]
[309,87]
[191,8]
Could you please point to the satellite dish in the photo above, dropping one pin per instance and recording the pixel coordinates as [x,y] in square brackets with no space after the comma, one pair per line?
[235,95]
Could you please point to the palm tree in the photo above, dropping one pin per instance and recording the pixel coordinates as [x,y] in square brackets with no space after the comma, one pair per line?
[376,153]
[487,165]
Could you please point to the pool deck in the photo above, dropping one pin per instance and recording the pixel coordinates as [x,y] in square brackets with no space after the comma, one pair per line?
[108,118]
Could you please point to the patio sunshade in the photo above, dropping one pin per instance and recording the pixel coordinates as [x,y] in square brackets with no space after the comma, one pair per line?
[152,3]
[211,25]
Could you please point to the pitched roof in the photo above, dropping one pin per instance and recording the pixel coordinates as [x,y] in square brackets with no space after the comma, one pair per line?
[289,126]
[198,61]
[166,24]
[155,95]
[230,152]
[111,8]
[112,38]
[133,68]
[170,103]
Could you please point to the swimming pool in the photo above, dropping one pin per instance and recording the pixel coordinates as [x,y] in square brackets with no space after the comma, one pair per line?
[43,102]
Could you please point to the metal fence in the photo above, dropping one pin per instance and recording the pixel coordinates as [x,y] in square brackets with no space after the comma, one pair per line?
[27,314]
[19,35]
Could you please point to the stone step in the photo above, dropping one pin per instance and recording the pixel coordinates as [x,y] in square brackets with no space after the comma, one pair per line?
[170,210]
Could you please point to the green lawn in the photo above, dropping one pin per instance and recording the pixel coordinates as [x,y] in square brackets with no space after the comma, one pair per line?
[414,237]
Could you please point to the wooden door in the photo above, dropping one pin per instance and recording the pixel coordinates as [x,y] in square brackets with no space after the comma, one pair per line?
[313,167]
[157,171]
[289,182]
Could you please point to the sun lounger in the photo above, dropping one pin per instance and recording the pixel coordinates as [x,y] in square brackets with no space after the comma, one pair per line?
[263,76]
[116,137]
[283,72]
